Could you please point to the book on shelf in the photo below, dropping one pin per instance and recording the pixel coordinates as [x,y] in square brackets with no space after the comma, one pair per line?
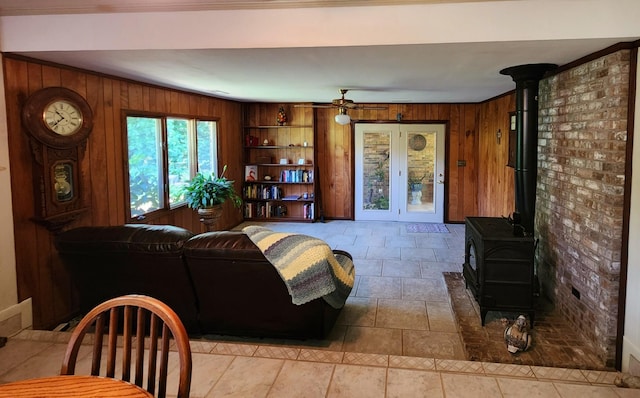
[262,191]
[298,175]
[291,197]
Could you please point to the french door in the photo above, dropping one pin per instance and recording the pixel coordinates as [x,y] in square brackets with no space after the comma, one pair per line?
[399,172]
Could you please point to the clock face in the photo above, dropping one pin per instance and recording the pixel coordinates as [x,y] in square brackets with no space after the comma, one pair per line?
[62,117]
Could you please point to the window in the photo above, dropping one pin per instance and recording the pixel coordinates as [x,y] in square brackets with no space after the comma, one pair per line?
[164,153]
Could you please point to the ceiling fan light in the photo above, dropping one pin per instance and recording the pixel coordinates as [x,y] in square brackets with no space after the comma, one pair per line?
[343,119]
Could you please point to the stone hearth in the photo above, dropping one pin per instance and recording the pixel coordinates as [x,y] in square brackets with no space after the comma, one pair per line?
[555,344]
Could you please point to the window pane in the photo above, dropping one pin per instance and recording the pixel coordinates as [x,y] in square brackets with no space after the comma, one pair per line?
[145,164]
[207,143]
[178,152]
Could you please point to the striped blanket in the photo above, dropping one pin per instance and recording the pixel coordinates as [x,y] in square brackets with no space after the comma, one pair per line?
[306,264]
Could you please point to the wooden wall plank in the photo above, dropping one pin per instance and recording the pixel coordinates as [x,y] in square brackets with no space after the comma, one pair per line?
[40,273]
[103,170]
[495,178]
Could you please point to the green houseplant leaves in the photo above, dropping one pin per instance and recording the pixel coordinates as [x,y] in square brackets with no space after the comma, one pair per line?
[205,191]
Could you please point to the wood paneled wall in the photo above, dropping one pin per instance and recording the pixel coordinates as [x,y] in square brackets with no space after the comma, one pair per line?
[103,181]
[496,196]
[335,154]
[481,187]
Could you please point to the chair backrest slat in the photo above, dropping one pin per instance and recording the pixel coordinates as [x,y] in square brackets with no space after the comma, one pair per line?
[113,342]
[153,354]
[98,338]
[140,333]
[161,322]
[126,343]
[162,382]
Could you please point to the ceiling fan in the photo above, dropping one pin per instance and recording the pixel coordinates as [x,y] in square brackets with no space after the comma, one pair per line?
[343,104]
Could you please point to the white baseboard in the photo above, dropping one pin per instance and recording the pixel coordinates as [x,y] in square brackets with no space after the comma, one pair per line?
[630,349]
[16,318]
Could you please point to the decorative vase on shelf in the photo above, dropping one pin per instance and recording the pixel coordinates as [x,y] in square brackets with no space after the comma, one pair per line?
[281,119]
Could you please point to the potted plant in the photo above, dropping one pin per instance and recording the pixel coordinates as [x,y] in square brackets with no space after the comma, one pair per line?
[415,183]
[207,193]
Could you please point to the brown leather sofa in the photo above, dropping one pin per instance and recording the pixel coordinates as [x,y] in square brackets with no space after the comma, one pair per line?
[217,282]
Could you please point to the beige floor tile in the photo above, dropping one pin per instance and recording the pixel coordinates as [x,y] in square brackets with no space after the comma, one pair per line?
[379,287]
[339,239]
[358,311]
[453,365]
[234,349]
[206,370]
[385,253]
[402,383]
[563,374]
[376,240]
[425,343]
[400,241]
[247,377]
[46,362]
[402,314]
[320,355]
[505,369]
[17,351]
[302,379]
[202,346]
[568,390]
[405,362]
[450,255]
[401,268]
[357,252]
[418,254]
[424,289]
[627,392]
[373,340]
[441,317]
[432,243]
[600,377]
[351,381]
[433,270]
[470,386]
[516,388]
[277,352]
[366,267]
[360,358]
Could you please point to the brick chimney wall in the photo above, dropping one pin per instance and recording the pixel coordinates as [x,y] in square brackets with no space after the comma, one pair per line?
[580,187]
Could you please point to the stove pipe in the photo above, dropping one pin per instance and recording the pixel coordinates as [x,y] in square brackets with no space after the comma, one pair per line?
[527,78]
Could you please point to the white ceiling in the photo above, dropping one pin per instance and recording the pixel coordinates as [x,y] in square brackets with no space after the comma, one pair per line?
[412,51]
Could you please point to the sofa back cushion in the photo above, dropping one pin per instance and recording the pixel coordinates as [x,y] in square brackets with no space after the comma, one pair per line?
[110,261]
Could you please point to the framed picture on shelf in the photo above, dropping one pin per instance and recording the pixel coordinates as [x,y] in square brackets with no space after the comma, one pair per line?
[250,173]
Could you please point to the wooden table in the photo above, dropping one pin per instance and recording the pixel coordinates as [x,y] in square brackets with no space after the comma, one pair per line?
[72,387]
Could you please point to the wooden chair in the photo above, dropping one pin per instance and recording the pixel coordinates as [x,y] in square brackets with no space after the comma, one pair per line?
[151,316]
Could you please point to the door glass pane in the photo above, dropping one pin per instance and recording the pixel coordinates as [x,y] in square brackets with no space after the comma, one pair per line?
[421,157]
[376,150]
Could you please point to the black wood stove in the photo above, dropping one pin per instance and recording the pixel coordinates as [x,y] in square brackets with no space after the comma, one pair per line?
[499,255]
[498,266]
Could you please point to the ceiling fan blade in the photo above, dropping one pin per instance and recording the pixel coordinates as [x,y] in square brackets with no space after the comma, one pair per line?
[312,106]
[366,107]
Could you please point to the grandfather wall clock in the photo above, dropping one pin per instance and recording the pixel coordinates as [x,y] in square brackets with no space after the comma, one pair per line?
[58,122]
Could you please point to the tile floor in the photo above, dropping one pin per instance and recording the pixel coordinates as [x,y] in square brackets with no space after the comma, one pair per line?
[396,337]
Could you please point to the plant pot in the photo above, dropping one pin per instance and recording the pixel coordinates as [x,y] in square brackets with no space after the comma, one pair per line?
[209,216]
